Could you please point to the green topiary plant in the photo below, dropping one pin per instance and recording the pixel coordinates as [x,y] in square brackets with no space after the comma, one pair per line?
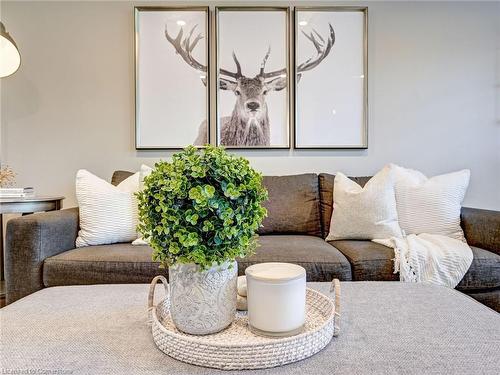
[204,208]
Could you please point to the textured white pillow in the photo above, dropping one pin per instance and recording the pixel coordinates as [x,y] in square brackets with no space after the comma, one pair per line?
[364,213]
[430,205]
[144,172]
[108,214]
[135,181]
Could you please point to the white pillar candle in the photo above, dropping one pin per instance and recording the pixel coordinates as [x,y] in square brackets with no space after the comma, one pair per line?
[276,298]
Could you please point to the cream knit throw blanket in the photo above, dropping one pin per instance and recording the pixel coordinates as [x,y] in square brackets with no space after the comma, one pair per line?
[429,258]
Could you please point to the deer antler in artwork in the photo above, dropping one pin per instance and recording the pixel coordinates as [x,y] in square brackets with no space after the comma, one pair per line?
[184,47]
[228,73]
[322,48]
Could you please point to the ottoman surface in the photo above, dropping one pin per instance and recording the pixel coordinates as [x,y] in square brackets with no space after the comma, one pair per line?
[386,328]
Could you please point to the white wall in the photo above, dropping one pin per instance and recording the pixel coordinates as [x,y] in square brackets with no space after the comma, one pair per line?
[433,90]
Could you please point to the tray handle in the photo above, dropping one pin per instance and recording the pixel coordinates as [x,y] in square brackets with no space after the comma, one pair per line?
[335,287]
[152,288]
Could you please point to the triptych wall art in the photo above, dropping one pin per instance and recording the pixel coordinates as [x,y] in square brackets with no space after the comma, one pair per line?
[251,77]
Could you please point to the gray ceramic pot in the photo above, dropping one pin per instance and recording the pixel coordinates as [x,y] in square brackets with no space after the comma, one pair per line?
[203,302]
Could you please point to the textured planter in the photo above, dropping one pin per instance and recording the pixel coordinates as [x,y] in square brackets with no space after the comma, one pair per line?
[203,302]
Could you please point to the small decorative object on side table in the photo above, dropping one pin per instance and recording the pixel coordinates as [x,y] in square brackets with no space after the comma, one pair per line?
[25,206]
[7,176]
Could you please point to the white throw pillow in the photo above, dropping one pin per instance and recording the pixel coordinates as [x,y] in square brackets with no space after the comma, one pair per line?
[135,182]
[144,172]
[430,205]
[364,213]
[108,214]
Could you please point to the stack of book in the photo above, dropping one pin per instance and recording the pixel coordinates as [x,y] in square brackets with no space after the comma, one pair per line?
[17,192]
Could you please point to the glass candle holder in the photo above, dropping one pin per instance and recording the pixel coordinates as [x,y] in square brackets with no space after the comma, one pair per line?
[276,297]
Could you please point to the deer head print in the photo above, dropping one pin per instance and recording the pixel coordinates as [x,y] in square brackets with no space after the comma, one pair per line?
[248,124]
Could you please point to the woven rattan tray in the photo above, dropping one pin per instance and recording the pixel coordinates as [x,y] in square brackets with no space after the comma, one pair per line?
[236,347]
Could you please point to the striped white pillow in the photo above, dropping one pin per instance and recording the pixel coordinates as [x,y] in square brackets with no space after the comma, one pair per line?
[108,214]
[430,205]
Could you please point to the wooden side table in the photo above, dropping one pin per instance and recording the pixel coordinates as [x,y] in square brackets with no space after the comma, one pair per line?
[25,206]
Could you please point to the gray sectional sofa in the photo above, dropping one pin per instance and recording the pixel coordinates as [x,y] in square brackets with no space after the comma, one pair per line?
[40,248]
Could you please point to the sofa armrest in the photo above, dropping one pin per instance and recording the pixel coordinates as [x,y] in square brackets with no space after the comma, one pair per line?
[481,228]
[29,240]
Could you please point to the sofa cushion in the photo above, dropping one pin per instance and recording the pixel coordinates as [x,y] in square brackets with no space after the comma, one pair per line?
[488,298]
[118,263]
[293,205]
[322,261]
[326,198]
[124,263]
[108,213]
[484,272]
[364,213]
[481,228]
[370,261]
[373,262]
[120,176]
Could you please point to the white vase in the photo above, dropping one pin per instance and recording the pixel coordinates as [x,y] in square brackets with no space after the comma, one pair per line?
[203,302]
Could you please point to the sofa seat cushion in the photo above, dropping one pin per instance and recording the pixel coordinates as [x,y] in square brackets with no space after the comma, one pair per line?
[322,261]
[369,261]
[124,263]
[107,264]
[483,274]
[374,262]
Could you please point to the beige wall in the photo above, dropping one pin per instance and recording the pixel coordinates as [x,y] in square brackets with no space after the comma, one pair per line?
[433,91]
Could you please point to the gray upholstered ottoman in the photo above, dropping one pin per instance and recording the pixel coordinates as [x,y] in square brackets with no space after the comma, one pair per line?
[386,327]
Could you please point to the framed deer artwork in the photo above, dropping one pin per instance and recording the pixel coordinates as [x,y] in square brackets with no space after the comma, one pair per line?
[331,78]
[252,75]
[171,77]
